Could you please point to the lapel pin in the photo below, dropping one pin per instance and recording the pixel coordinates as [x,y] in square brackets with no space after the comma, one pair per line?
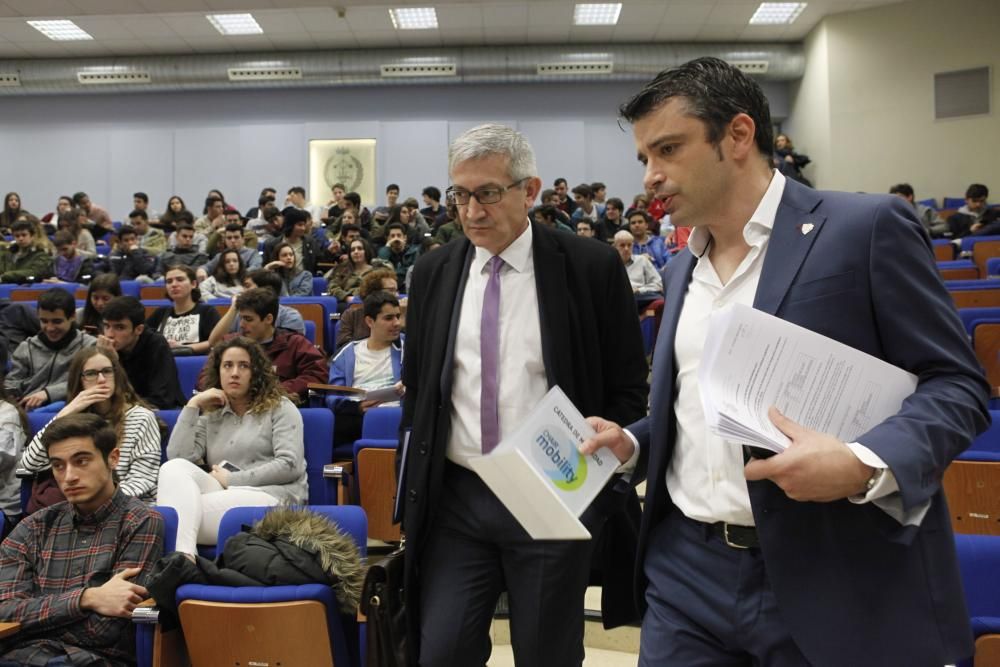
[806,228]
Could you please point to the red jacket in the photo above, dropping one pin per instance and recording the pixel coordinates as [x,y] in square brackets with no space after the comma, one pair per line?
[295,360]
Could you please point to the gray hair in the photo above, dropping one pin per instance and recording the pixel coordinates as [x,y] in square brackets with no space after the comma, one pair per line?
[494,139]
[624,235]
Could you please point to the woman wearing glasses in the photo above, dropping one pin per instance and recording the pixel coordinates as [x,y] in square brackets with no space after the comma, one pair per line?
[97,383]
[245,432]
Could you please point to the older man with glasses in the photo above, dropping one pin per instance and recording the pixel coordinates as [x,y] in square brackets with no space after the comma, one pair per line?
[500,317]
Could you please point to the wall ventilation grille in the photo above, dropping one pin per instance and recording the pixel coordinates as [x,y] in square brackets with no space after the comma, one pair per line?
[264,73]
[750,66]
[10,79]
[98,78]
[427,69]
[562,69]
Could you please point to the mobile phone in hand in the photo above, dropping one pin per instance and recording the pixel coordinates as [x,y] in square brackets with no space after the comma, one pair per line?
[226,465]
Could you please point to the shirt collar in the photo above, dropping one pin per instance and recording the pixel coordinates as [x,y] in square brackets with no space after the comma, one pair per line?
[516,255]
[758,227]
[101,513]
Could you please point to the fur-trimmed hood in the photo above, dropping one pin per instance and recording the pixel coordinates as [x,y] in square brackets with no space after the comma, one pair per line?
[315,539]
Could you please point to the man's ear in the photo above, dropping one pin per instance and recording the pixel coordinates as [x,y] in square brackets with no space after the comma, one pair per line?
[113,457]
[369,322]
[139,329]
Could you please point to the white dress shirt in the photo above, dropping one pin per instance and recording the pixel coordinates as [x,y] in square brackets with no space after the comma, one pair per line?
[522,381]
[705,476]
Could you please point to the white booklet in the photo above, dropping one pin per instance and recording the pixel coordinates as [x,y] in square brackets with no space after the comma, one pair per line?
[753,360]
[539,474]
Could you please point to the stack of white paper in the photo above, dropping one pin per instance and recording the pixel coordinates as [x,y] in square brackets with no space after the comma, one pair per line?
[539,474]
[753,360]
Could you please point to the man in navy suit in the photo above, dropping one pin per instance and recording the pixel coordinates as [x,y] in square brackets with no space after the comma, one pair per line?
[829,553]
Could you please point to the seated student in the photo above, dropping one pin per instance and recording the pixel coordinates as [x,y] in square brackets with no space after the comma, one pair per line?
[398,251]
[145,355]
[13,432]
[294,359]
[452,229]
[969,218]
[295,232]
[372,363]
[645,279]
[612,221]
[128,260]
[352,322]
[928,217]
[98,385]
[74,572]
[73,220]
[150,239]
[234,239]
[586,207]
[40,363]
[585,228]
[645,243]
[184,251]
[28,259]
[247,432]
[102,289]
[227,279]
[188,323]
[546,215]
[345,279]
[70,265]
[293,283]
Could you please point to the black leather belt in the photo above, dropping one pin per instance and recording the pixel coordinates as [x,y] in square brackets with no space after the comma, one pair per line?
[737,537]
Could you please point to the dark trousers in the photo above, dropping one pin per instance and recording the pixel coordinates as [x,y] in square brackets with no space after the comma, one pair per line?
[709,604]
[475,550]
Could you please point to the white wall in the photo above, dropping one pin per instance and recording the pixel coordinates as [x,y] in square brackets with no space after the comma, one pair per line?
[238,142]
[879,79]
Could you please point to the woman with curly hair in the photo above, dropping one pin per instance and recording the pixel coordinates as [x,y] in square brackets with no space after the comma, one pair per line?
[97,383]
[245,431]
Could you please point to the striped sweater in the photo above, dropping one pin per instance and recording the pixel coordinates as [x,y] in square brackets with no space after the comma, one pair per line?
[139,460]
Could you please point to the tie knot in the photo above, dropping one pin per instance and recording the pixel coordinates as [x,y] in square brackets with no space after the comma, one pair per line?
[495,264]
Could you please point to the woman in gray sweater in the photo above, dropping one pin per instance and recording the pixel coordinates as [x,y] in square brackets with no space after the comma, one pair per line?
[245,432]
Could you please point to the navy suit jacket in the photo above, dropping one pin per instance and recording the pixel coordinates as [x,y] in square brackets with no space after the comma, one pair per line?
[853,585]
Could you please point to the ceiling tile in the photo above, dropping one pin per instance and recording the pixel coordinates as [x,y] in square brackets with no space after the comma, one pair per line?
[86,49]
[591,33]
[102,28]
[546,13]
[463,36]
[191,25]
[334,40]
[47,49]
[377,38]
[103,6]
[146,26]
[17,30]
[730,14]
[761,33]
[677,31]
[322,19]
[238,5]
[8,50]
[176,45]
[719,32]
[459,16]
[369,18]
[42,7]
[497,15]
[167,6]
[642,14]
[419,38]
[210,45]
[292,41]
[7,11]
[279,21]
[503,37]
[635,33]
[687,12]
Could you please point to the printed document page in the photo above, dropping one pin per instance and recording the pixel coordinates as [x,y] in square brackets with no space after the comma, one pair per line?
[753,360]
[539,474]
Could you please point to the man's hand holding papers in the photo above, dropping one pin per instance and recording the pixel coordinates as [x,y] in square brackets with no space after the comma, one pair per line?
[815,467]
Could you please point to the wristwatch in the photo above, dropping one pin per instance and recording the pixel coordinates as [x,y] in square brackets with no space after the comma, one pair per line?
[874,480]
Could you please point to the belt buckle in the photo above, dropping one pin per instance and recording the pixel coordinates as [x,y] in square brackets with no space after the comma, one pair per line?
[725,536]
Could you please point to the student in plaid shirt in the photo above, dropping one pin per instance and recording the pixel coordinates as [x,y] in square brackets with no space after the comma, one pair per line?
[73,572]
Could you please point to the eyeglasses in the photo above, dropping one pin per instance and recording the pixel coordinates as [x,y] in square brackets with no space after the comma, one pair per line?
[92,373]
[487,195]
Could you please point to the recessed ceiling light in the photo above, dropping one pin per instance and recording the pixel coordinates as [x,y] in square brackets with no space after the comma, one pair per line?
[777,13]
[235,24]
[61,30]
[413,18]
[597,14]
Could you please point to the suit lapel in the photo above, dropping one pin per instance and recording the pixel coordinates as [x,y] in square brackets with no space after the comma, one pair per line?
[453,275]
[553,310]
[795,230]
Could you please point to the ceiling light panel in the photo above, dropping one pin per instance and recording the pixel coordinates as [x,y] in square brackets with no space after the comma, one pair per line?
[235,24]
[597,14]
[61,30]
[777,13]
[414,18]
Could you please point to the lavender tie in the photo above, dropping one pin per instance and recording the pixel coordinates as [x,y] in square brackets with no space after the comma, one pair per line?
[489,353]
